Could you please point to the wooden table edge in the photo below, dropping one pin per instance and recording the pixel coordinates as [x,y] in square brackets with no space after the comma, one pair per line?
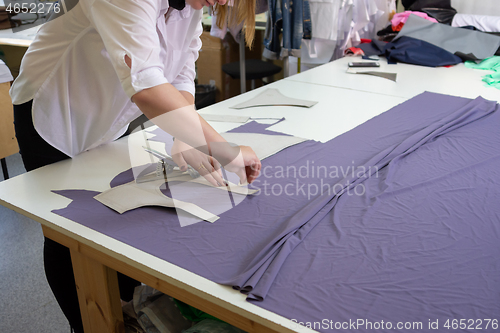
[87,253]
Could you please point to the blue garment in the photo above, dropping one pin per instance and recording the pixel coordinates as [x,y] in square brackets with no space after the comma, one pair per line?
[293,17]
[415,51]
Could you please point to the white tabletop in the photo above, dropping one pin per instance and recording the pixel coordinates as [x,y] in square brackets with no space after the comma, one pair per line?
[340,108]
[411,79]
[21,38]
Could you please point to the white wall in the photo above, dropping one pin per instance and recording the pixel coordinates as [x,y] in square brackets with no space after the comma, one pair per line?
[477,7]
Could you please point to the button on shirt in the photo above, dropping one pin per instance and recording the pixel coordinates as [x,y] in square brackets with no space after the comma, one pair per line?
[76,74]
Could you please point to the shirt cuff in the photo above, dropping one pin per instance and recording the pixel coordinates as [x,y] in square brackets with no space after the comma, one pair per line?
[147,78]
[189,87]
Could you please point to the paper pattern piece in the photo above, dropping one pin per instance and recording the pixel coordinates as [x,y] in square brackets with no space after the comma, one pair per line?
[225,118]
[262,144]
[273,97]
[385,75]
[133,195]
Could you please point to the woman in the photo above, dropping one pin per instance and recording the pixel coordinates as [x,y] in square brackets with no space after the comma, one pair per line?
[91,71]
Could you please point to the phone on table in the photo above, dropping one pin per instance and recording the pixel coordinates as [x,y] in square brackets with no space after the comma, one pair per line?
[364,64]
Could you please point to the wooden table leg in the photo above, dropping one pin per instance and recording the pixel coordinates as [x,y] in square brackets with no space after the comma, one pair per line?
[98,294]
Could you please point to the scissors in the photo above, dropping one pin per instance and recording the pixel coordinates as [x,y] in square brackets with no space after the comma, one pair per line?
[164,166]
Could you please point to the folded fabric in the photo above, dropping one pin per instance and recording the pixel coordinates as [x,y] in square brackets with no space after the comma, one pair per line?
[375,47]
[484,23]
[400,19]
[414,51]
[453,40]
[492,80]
[492,64]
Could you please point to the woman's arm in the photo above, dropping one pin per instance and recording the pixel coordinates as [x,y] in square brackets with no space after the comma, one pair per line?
[170,110]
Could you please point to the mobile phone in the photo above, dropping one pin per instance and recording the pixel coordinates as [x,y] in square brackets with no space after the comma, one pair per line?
[364,64]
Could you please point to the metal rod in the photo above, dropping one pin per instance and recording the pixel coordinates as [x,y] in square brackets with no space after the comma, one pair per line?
[243,76]
[4,169]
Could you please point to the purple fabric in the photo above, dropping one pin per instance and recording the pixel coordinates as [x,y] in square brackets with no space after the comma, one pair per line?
[250,127]
[411,233]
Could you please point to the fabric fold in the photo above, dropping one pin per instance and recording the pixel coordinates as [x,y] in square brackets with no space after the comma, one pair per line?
[258,277]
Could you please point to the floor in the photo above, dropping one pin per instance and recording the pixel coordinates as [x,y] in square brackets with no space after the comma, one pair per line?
[27,303]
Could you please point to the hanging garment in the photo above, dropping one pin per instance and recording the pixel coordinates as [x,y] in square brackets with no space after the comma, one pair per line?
[480,45]
[292,20]
[324,18]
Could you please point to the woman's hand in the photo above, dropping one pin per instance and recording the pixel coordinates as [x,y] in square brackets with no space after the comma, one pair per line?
[207,166]
[246,165]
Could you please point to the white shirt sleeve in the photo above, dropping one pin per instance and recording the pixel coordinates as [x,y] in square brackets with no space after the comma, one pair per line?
[128,27]
[185,80]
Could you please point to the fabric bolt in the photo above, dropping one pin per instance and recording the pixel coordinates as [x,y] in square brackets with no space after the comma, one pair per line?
[273,97]
[74,116]
[292,20]
[401,225]
[484,23]
[453,40]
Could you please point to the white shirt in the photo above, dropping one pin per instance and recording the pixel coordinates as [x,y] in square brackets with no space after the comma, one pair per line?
[76,74]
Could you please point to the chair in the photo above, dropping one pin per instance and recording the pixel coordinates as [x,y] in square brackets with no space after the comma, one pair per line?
[254,69]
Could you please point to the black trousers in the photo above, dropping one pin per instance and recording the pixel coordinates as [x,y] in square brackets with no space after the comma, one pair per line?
[36,152]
